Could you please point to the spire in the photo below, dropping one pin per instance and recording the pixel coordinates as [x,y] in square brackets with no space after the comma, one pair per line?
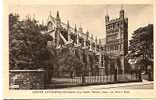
[96,40]
[58,20]
[77,35]
[87,33]
[50,13]
[80,28]
[57,16]
[75,28]
[107,16]
[68,24]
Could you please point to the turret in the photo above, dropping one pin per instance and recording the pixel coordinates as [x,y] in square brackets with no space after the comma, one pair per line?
[58,20]
[91,42]
[77,35]
[96,40]
[80,29]
[106,18]
[75,29]
[68,26]
[122,13]
[92,37]
[57,15]
[87,35]
[68,30]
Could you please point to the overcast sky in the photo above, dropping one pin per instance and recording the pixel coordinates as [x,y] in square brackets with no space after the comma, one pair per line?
[90,17]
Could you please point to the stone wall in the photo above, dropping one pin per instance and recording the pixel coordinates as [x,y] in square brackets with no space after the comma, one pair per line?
[26,79]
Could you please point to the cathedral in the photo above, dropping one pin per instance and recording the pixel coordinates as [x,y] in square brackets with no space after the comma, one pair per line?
[108,56]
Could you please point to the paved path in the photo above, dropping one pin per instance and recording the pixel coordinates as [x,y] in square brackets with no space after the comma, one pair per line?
[134,85]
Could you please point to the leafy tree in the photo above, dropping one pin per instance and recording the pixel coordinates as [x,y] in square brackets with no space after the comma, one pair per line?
[141,46]
[68,62]
[27,46]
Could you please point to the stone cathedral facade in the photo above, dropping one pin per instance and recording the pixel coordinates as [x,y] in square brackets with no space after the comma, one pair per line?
[104,57]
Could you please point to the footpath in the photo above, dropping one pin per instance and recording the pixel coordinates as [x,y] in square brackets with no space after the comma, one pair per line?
[133,85]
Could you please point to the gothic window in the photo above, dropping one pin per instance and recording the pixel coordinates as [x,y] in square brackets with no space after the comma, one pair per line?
[106,27]
[102,60]
[116,47]
[113,25]
[110,26]
[118,24]
[77,53]
[120,46]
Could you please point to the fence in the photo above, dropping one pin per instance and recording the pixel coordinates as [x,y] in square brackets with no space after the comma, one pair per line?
[94,80]
[34,79]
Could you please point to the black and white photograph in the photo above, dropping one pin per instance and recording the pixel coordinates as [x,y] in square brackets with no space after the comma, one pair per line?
[81,47]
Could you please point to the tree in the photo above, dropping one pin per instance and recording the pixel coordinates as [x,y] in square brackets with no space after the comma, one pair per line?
[27,46]
[141,46]
[68,62]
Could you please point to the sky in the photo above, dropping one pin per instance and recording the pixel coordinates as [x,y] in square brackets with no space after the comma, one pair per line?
[90,17]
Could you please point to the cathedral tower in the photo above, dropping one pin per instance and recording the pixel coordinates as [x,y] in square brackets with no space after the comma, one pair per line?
[117,37]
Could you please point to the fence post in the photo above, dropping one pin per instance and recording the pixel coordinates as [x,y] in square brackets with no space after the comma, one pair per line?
[115,75]
[140,76]
[83,78]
